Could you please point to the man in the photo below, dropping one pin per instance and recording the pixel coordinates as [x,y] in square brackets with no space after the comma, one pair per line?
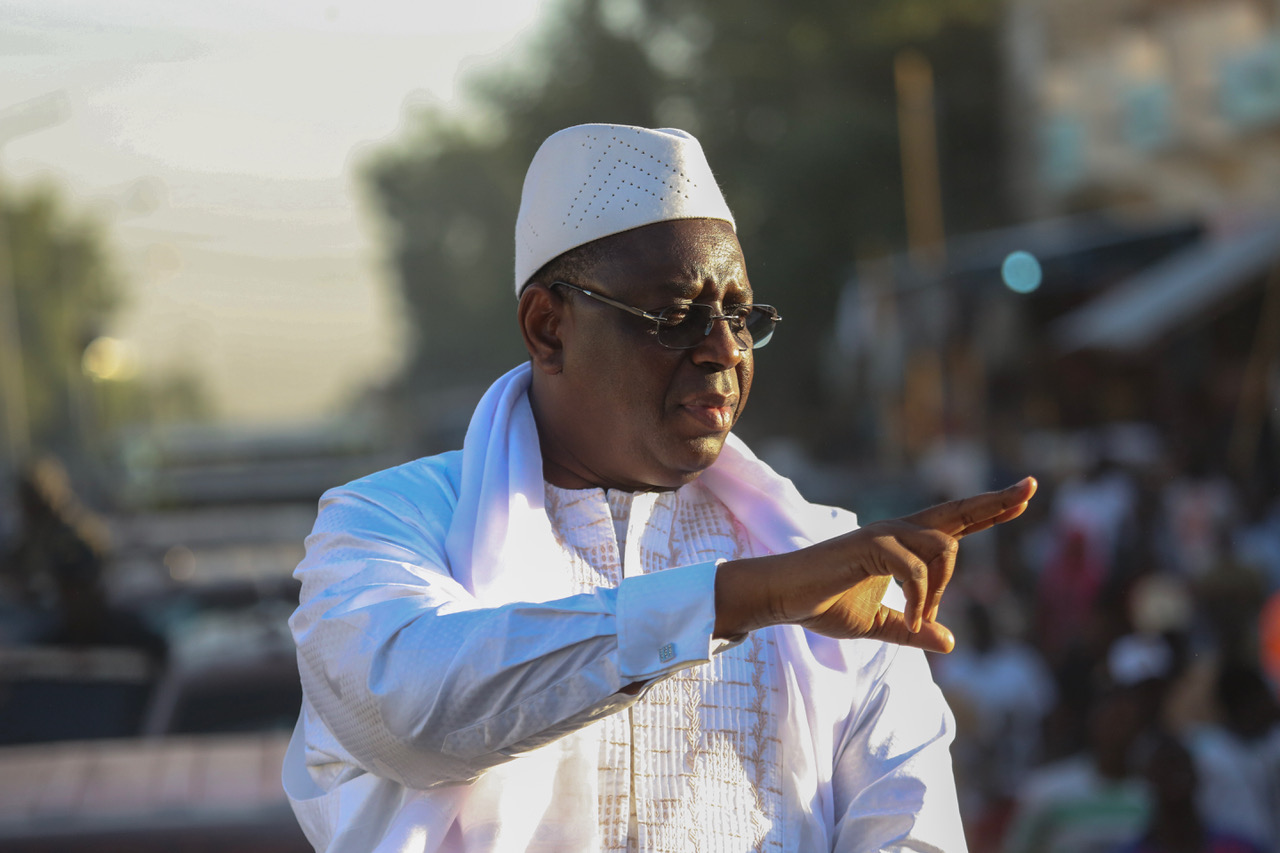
[604,624]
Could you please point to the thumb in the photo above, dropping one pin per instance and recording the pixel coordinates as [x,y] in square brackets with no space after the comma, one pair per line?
[890,626]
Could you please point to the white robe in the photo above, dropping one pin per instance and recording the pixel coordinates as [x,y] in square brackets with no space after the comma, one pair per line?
[450,671]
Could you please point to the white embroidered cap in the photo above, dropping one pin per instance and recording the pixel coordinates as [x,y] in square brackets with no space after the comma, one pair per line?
[593,180]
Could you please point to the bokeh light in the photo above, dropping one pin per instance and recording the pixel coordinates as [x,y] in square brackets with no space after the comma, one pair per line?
[108,359]
[1021,272]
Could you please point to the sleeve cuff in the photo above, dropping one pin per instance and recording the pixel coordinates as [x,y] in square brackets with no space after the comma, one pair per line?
[665,620]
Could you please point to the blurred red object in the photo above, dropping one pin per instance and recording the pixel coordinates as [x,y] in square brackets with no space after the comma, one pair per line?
[1269,639]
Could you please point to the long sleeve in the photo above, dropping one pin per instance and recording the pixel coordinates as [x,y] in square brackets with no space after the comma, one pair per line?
[893,785]
[420,684]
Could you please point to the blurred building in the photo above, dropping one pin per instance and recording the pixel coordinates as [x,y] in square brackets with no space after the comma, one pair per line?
[1165,106]
[1144,286]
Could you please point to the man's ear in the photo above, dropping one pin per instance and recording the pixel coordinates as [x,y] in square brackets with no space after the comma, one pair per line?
[541,315]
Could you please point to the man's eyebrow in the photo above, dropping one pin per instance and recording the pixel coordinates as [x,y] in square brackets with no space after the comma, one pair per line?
[680,288]
[691,289]
[670,293]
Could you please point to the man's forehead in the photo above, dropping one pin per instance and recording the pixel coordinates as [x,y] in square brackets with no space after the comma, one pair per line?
[676,258]
[678,242]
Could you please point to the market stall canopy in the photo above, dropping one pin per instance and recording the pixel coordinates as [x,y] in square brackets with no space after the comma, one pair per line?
[1185,286]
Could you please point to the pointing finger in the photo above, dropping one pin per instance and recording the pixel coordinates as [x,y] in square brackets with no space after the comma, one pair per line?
[1007,515]
[969,515]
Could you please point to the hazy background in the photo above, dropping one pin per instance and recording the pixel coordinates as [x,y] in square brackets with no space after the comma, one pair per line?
[217,145]
[249,251]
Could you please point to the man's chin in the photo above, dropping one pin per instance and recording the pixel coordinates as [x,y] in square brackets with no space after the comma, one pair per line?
[701,453]
[679,463]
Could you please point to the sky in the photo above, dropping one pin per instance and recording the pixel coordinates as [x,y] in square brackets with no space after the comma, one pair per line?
[219,143]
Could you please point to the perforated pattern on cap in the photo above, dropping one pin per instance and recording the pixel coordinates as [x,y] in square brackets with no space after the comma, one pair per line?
[634,175]
[594,180]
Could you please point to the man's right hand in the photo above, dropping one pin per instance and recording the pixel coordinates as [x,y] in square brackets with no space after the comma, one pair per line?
[835,587]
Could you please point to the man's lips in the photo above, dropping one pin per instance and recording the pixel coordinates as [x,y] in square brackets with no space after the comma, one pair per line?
[713,411]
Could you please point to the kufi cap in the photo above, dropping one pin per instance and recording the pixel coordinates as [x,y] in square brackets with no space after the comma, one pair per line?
[594,180]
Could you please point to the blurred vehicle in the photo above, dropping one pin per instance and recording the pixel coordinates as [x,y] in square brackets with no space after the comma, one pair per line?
[195,794]
[103,753]
[232,671]
[52,694]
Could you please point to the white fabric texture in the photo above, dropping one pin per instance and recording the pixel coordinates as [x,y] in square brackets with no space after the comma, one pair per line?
[593,180]
[445,655]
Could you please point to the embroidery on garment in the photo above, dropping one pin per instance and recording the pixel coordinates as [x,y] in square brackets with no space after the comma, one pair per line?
[699,751]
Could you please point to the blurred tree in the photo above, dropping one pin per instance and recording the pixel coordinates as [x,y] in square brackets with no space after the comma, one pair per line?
[63,291]
[794,105]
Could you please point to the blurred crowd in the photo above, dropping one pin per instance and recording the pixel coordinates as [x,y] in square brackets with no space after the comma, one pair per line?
[1115,677]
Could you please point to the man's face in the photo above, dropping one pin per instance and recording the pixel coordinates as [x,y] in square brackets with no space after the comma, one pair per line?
[631,413]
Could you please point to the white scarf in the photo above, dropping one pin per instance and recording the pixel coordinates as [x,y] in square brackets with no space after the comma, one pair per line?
[500,520]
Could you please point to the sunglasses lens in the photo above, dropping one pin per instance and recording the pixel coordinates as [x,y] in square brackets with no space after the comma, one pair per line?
[759,326]
[687,327]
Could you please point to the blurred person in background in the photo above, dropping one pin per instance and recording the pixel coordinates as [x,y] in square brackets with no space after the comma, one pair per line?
[1070,586]
[1092,802]
[57,537]
[1238,757]
[1100,505]
[587,630]
[1176,824]
[1093,519]
[1000,690]
[54,573]
[1200,507]
[1256,542]
[107,660]
[1230,596]
[1147,664]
